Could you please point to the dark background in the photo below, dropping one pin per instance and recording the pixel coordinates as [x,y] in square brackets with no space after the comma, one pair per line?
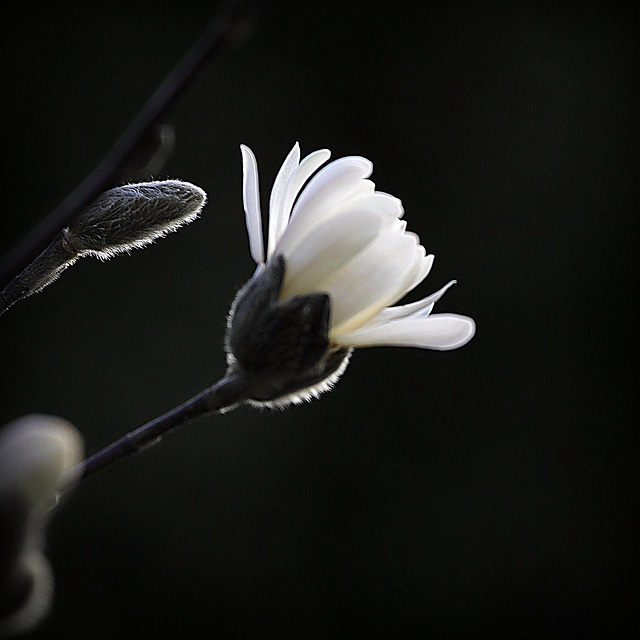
[484,492]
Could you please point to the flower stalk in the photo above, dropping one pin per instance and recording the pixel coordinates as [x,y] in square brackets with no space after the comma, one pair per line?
[222,396]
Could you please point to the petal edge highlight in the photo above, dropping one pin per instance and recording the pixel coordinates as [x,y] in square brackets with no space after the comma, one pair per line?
[251,199]
[440,331]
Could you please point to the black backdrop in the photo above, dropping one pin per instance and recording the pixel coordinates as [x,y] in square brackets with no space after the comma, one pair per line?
[483,492]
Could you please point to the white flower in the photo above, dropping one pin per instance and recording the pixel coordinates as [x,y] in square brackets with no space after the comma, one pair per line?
[339,237]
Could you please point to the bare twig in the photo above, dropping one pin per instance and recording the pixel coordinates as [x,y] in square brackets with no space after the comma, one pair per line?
[227,27]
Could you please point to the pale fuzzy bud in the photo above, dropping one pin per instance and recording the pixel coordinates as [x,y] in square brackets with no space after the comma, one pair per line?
[124,218]
[38,454]
[132,216]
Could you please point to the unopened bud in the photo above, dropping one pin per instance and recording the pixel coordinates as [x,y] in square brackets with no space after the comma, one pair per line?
[132,216]
[124,218]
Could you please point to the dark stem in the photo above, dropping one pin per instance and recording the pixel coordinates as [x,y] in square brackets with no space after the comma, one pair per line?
[43,270]
[223,29]
[224,394]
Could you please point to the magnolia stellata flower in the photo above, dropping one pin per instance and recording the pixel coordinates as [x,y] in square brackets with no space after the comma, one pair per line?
[337,256]
[37,456]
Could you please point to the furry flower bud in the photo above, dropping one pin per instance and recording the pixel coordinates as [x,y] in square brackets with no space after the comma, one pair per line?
[124,218]
[132,216]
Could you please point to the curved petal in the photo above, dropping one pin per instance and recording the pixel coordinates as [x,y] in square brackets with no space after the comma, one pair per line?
[420,308]
[379,204]
[328,247]
[333,184]
[441,331]
[383,202]
[301,225]
[251,198]
[304,171]
[375,278]
[422,272]
[278,217]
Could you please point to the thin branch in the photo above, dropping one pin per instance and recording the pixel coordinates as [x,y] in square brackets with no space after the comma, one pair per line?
[225,394]
[225,28]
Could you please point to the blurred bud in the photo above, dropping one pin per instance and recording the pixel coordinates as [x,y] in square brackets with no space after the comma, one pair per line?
[124,218]
[37,456]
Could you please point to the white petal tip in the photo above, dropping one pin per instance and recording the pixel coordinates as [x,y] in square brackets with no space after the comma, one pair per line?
[461,330]
[441,331]
[251,197]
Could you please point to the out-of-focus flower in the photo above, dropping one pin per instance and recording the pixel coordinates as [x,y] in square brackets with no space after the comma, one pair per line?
[37,455]
[338,256]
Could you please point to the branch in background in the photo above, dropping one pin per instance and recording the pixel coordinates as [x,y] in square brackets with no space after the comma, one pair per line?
[229,26]
[123,218]
[154,151]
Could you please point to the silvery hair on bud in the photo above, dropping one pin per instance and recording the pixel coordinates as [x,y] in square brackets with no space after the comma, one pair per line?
[124,218]
[132,216]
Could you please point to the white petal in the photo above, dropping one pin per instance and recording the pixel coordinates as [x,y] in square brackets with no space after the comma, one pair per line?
[438,331]
[374,279]
[393,201]
[278,216]
[333,184]
[422,271]
[328,247]
[380,204]
[429,301]
[251,197]
[420,308]
[304,171]
[383,202]
[302,224]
